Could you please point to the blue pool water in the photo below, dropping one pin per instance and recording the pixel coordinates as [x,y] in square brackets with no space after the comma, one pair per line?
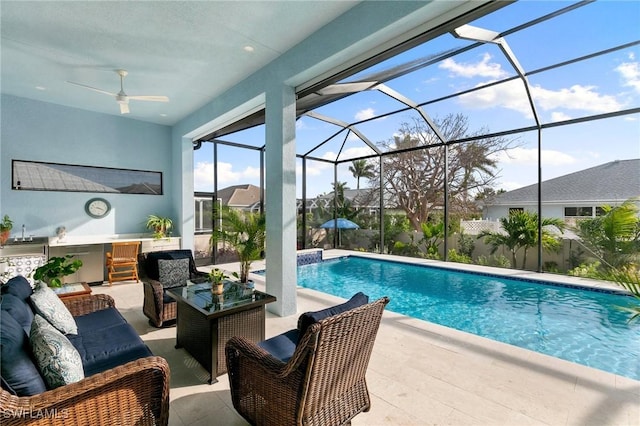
[578,325]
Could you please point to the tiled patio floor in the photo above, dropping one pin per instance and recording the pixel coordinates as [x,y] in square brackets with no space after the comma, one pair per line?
[420,374]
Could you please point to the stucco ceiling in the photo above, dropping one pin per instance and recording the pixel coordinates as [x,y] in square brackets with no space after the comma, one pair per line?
[190,51]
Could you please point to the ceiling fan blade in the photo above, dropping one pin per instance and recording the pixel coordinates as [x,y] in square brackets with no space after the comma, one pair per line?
[124,108]
[149,98]
[92,88]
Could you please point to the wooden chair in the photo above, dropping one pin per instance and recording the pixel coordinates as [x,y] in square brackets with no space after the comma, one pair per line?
[321,383]
[122,261]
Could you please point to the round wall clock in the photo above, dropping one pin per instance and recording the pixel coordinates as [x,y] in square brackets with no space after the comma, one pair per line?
[97,207]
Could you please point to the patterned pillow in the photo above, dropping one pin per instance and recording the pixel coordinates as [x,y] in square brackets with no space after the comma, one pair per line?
[173,272]
[58,361]
[49,305]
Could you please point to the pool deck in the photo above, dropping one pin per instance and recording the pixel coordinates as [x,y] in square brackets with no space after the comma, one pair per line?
[420,373]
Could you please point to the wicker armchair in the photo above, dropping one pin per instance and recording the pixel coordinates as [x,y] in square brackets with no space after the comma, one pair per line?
[157,306]
[136,393]
[323,383]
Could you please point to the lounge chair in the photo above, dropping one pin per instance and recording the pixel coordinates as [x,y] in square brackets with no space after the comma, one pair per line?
[312,375]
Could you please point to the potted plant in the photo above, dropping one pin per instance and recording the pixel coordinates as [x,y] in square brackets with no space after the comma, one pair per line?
[56,268]
[217,277]
[5,229]
[159,225]
[245,232]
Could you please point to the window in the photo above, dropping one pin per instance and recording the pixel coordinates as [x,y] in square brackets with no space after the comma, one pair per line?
[39,176]
[578,211]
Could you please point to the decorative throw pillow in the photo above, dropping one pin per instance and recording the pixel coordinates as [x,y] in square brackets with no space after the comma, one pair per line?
[19,374]
[48,304]
[58,361]
[18,310]
[173,272]
[19,287]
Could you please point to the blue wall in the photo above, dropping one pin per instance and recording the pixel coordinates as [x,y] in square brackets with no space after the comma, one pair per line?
[38,131]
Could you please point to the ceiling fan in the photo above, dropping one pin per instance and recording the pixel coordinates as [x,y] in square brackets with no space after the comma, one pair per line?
[121,97]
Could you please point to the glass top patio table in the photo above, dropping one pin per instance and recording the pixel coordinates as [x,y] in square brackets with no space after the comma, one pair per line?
[235,295]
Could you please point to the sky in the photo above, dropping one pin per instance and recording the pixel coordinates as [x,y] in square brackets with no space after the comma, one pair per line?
[602,84]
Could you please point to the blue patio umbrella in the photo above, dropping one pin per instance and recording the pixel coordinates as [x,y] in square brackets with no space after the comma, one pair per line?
[340,223]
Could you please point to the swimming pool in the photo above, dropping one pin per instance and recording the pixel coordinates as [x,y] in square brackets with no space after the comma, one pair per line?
[578,325]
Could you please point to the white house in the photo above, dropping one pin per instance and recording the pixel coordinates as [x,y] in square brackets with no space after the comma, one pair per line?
[578,194]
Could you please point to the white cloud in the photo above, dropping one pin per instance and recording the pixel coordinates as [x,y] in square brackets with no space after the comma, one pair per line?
[301,124]
[314,168]
[203,175]
[353,137]
[356,152]
[484,68]
[364,114]
[576,97]
[559,116]
[511,95]
[630,72]
[529,156]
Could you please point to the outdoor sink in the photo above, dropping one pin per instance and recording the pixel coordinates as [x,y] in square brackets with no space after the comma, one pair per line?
[17,240]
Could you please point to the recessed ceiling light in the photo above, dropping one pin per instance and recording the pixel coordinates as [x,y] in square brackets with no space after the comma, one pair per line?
[163,115]
[41,88]
[248,48]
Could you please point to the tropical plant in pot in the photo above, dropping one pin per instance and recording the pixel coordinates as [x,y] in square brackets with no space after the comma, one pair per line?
[159,225]
[56,268]
[217,277]
[246,233]
[6,225]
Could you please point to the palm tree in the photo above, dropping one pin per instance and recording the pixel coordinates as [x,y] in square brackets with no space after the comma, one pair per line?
[338,189]
[627,277]
[245,232]
[615,236]
[521,232]
[361,168]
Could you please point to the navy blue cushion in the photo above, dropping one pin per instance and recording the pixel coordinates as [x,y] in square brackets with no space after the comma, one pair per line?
[18,309]
[282,346]
[105,340]
[151,262]
[19,287]
[309,318]
[98,320]
[18,371]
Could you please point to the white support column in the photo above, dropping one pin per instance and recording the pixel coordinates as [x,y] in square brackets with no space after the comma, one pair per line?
[281,198]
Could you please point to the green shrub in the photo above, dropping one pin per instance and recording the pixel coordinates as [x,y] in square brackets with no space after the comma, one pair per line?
[466,244]
[500,261]
[551,266]
[590,270]
[454,256]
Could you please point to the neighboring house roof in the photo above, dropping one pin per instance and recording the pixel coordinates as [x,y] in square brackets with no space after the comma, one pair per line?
[608,183]
[39,176]
[242,196]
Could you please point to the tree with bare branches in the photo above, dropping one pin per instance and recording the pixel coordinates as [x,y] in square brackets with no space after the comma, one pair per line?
[415,176]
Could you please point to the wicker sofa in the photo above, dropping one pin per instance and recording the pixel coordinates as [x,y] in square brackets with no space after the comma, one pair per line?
[311,375]
[123,384]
